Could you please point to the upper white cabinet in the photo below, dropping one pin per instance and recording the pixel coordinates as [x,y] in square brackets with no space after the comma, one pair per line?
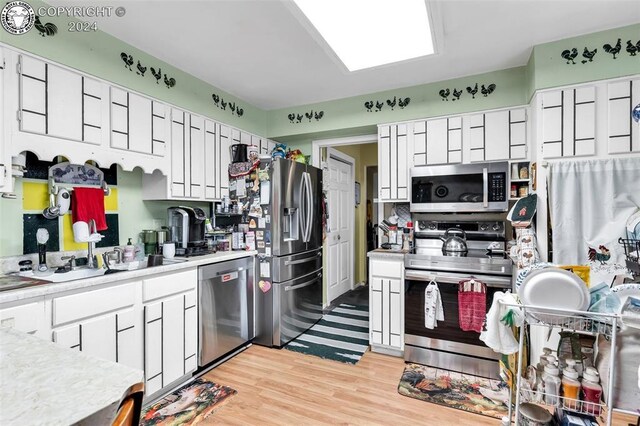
[437,141]
[225,142]
[393,163]
[622,133]
[187,154]
[496,135]
[59,103]
[568,122]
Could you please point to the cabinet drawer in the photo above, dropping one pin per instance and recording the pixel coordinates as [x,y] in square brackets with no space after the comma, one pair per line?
[166,285]
[89,304]
[383,268]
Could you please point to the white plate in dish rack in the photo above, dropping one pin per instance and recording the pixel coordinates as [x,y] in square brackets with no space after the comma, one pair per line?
[624,291]
[554,288]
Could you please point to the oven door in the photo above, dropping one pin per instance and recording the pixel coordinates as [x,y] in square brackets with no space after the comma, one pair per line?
[461,188]
[447,346]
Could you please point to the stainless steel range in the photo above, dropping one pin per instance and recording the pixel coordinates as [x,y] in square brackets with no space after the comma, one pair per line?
[447,346]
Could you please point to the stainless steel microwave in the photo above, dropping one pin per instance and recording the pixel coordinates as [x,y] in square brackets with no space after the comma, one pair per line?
[460,188]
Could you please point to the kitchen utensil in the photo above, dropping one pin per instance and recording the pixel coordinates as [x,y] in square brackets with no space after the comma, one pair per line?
[554,288]
[238,153]
[154,260]
[169,250]
[454,243]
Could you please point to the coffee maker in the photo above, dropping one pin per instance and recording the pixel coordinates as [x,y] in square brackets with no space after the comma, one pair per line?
[186,228]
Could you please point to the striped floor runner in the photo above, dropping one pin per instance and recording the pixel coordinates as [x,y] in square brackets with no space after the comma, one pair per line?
[341,335]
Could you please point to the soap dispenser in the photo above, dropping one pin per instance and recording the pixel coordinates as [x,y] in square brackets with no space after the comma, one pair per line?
[592,391]
[571,385]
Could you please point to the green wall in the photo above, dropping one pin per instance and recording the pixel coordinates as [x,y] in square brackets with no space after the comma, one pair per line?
[98,54]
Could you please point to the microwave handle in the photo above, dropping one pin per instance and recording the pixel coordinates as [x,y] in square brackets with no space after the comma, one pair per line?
[485,185]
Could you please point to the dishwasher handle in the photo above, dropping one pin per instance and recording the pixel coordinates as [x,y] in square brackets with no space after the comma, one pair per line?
[304,284]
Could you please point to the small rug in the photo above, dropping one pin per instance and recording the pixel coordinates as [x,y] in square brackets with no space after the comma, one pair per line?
[188,405]
[456,390]
[341,335]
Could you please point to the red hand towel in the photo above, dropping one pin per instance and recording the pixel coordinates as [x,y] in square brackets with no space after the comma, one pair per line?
[472,305]
[88,203]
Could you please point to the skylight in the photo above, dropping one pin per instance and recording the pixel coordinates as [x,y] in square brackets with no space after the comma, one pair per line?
[369,33]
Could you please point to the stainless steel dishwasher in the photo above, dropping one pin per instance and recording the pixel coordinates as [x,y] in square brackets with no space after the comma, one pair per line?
[226,304]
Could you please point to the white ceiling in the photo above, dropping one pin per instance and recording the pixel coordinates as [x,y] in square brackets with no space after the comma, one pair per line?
[264,52]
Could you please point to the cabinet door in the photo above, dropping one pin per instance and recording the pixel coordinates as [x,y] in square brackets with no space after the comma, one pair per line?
[402,164]
[119,118]
[28,318]
[496,141]
[396,313]
[64,103]
[172,339]
[153,320]
[33,95]
[177,153]
[129,340]
[375,315]
[568,122]
[384,162]
[245,138]
[420,143]
[98,337]
[517,134]
[437,141]
[266,146]
[393,163]
[622,132]
[196,160]
[210,160]
[140,122]
[224,156]
[190,332]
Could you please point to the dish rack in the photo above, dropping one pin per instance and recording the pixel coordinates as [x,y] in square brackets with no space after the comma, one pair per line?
[582,322]
[632,253]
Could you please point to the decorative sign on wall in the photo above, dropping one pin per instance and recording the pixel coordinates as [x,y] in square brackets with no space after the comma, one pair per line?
[297,118]
[48,29]
[399,101]
[484,90]
[570,55]
[222,104]
[141,70]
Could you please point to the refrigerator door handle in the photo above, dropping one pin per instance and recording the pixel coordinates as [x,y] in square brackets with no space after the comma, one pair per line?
[303,209]
[304,284]
[310,212]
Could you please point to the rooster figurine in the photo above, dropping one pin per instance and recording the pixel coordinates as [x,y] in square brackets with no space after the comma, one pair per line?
[473,91]
[601,255]
[444,93]
[570,55]
[127,59]
[614,50]
[48,29]
[157,74]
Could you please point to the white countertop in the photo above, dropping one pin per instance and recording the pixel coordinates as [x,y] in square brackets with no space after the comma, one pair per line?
[43,383]
[46,289]
[387,254]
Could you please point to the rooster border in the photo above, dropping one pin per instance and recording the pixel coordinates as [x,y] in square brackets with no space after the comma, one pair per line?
[222,104]
[397,100]
[472,90]
[296,118]
[141,70]
[570,54]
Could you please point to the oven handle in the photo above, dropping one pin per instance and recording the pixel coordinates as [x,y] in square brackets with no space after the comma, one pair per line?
[451,278]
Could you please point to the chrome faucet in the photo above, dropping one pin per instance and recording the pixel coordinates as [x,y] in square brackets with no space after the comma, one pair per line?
[91,263]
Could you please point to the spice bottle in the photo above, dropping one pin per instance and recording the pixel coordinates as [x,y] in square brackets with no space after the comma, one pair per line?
[592,391]
[571,386]
[552,382]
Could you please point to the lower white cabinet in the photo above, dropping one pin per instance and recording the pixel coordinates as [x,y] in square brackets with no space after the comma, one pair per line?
[386,299]
[28,317]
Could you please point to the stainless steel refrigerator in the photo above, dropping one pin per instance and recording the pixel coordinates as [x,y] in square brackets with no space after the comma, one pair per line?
[288,228]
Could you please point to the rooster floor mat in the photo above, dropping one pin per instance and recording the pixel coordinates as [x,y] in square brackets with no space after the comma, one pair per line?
[188,405]
[456,390]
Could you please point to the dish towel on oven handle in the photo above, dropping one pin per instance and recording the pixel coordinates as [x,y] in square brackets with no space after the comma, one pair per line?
[472,304]
[433,310]
[500,318]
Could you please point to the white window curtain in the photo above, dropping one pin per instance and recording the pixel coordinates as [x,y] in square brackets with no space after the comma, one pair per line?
[590,202]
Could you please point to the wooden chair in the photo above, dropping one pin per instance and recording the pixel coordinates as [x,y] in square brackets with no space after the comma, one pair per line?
[130,407]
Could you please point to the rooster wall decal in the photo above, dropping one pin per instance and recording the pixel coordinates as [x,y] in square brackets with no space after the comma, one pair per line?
[170,82]
[318,115]
[216,98]
[379,106]
[391,103]
[368,105]
[601,255]
[614,50]
[633,49]
[489,90]
[444,93]
[309,115]
[232,107]
[456,94]
[473,91]
[299,118]
[239,111]
[588,55]
[141,69]
[127,59]
[402,103]
[291,117]
[157,74]
[48,29]
[223,104]
[570,55]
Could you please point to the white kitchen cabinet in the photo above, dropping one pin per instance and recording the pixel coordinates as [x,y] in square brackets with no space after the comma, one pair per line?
[623,134]
[171,328]
[28,317]
[224,146]
[393,163]
[568,122]
[266,146]
[6,182]
[196,158]
[104,323]
[187,155]
[496,135]
[437,141]
[386,296]
[211,163]
[57,102]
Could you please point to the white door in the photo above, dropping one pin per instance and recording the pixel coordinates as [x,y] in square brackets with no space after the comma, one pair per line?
[341,205]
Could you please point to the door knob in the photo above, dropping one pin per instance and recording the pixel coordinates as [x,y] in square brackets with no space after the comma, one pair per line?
[338,236]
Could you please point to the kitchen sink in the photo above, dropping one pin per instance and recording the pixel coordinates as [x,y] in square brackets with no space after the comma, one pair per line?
[65,276]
